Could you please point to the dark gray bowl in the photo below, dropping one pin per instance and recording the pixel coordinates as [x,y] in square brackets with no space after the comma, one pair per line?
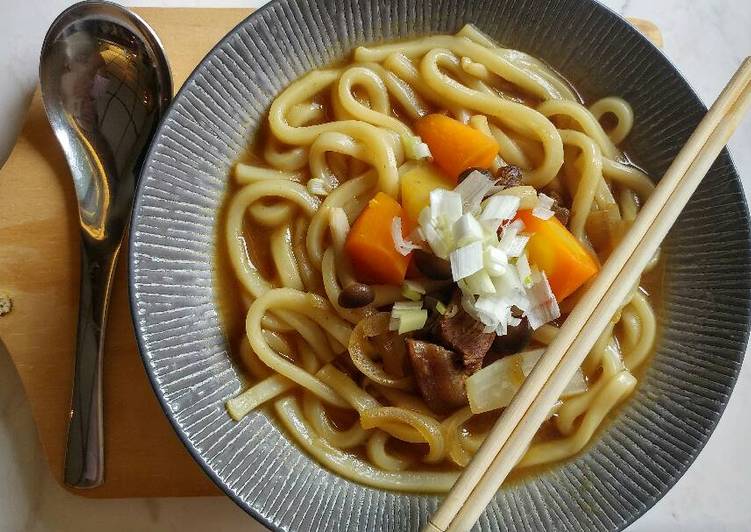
[704,319]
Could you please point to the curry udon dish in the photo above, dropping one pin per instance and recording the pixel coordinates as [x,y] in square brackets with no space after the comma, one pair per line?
[406,235]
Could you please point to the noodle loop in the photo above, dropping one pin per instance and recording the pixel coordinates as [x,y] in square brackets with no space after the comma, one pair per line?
[343,381]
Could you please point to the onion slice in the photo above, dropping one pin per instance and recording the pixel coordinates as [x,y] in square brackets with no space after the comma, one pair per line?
[495,385]
[402,245]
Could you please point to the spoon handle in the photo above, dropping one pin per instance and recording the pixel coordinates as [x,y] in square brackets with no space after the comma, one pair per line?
[84,458]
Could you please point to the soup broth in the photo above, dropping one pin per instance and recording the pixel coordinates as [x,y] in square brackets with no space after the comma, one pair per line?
[381,369]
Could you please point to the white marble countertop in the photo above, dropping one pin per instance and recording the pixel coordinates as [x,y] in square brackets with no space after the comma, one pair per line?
[706,39]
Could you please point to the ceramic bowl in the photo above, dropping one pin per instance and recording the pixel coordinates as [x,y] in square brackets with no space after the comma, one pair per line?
[703,321]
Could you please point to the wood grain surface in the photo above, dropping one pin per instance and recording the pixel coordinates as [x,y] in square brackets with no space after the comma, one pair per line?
[39,262]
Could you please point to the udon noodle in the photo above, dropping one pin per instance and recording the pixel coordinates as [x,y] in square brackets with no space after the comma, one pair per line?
[336,376]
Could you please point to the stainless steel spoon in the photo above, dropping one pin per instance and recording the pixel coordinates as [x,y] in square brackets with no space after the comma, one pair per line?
[105,85]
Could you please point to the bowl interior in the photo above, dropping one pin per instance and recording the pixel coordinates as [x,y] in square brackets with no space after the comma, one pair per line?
[703,319]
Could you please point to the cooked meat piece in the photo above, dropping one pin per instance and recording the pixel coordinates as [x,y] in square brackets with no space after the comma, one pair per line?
[460,332]
[515,339]
[509,176]
[439,375]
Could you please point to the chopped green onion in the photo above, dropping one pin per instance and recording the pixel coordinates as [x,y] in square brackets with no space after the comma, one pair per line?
[493,312]
[495,261]
[317,187]
[543,209]
[492,273]
[525,272]
[543,306]
[412,320]
[407,316]
[415,148]
[406,305]
[413,290]
[435,240]
[411,294]
[512,243]
[508,283]
[466,260]
[415,286]
[467,230]
[473,189]
[499,208]
[445,205]
[479,283]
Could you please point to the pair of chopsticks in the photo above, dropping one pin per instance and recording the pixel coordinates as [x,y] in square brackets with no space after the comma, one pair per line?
[512,433]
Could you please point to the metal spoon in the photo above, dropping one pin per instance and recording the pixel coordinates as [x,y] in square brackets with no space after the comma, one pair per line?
[105,85]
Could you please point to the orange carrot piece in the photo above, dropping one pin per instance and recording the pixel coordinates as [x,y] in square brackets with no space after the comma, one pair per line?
[554,250]
[455,146]
[370,245]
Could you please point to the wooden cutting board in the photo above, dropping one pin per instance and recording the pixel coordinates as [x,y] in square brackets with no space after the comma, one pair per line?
[39,262]
[39,246]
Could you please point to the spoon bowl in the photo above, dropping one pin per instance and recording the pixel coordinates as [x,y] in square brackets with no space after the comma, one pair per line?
[105,84]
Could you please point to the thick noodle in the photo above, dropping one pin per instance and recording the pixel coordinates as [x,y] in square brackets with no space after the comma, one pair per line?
[316,362]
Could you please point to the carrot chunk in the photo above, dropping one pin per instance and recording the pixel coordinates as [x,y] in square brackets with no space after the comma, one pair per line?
[370,245]
[554,250]
[455,146]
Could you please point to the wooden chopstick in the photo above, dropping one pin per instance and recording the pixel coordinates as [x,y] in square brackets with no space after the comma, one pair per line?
[516,445]
[482,477]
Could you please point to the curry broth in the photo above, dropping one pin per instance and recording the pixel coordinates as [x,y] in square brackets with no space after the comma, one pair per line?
[230,304]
